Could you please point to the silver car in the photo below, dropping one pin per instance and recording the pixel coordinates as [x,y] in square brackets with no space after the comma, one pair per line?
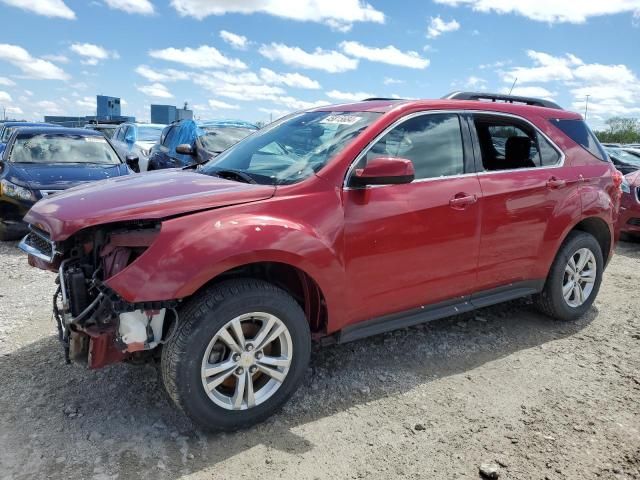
[137,139]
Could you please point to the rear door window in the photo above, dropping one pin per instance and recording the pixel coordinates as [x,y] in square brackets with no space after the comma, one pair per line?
[507,143]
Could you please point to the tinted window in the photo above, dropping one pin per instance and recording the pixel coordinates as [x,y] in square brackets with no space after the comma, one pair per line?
[432,142]
[170,136]
[507,143]
[579,132]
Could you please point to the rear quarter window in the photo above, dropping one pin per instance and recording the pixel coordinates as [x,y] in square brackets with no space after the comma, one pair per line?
[579,132]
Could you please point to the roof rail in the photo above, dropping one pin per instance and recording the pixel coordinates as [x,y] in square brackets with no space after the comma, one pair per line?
[377,99]
[498,97]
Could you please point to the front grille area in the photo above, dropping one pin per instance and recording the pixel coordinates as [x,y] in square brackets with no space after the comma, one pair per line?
[37,243]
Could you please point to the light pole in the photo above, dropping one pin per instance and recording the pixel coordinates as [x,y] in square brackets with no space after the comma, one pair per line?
[586,107]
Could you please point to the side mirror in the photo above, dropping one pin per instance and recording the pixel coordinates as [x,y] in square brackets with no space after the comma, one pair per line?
[185,149]
[129,139]
[133,162]
[384,171]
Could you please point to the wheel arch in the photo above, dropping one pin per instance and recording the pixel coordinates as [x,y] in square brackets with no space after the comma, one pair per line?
[600,230]
[292,279]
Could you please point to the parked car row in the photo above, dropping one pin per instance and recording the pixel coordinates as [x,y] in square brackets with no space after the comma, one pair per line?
[333,224]
[41,159]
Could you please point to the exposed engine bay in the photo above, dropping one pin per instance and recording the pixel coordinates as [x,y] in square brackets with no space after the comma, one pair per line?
[95,325]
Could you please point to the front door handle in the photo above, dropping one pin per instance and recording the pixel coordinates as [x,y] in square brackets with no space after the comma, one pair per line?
[460,201]
[554,182]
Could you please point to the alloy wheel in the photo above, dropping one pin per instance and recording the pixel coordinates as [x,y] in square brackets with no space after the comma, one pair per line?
[579,277]
[247,361]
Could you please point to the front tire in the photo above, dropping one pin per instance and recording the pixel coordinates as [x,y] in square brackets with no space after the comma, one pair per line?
[240,351]
[574,279]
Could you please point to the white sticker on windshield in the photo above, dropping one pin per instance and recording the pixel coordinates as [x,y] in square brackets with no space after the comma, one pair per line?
[95,139]
[341,119]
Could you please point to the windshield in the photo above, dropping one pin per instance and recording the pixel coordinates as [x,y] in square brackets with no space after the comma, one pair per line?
[218,139]
[623,156]
[293,149]
[149,134]
[67,148]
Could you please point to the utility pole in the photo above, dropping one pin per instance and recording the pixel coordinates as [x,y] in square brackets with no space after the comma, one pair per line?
[586,107]
[4,112]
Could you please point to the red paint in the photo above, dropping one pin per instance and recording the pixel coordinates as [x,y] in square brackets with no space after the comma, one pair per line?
[630,206]
[102,351]
[371,251]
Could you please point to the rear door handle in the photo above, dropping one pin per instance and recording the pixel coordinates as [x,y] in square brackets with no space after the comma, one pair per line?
[554,182]
[462,200]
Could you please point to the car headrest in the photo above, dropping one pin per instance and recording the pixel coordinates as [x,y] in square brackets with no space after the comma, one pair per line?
[517,149]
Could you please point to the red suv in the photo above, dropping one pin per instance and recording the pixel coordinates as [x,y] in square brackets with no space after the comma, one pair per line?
[331,224]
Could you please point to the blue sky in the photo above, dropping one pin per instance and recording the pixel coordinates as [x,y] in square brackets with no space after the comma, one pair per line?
[254,59]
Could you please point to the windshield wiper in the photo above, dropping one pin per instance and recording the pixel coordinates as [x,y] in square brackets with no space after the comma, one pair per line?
[234,174]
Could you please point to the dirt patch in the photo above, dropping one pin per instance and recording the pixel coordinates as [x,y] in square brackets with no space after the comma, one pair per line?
[504,388]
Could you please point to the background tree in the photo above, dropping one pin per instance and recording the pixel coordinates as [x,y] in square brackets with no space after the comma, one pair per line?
[620,130]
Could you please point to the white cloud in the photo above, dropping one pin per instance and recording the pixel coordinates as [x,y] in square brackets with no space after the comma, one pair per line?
[349,96]
[295,80]
[337,14]
[392,81]
[437,27]
[14,111]
[56,58]
[529,91]
[48,8]
[327,60]
[613,89]
[389,55]
[475,82]
[7,82]
[49,107]
[5,97]
[220,105]
[143,7]
[93,54]
[297,104]
[236,41]
[33,67]
[553,11]
[546,68]
[201,57]
[156,90]
[87,103]
[168,75]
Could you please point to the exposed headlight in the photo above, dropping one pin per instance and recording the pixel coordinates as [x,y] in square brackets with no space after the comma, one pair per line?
[624,186]
[12,190]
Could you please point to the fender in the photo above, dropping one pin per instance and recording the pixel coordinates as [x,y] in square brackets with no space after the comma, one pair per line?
[192,250]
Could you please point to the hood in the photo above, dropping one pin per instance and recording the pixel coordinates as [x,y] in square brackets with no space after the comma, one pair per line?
[154,195]
[61,176]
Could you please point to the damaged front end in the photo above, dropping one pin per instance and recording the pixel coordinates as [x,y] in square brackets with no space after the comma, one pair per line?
[96,325]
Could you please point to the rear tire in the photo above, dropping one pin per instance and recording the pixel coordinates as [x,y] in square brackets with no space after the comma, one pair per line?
[221,368]
[574,279]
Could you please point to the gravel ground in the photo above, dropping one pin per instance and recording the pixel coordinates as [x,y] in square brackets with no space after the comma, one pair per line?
[504,388]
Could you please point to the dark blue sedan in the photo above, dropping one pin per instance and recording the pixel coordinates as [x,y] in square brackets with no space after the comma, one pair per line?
[41,161]
[7,128]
